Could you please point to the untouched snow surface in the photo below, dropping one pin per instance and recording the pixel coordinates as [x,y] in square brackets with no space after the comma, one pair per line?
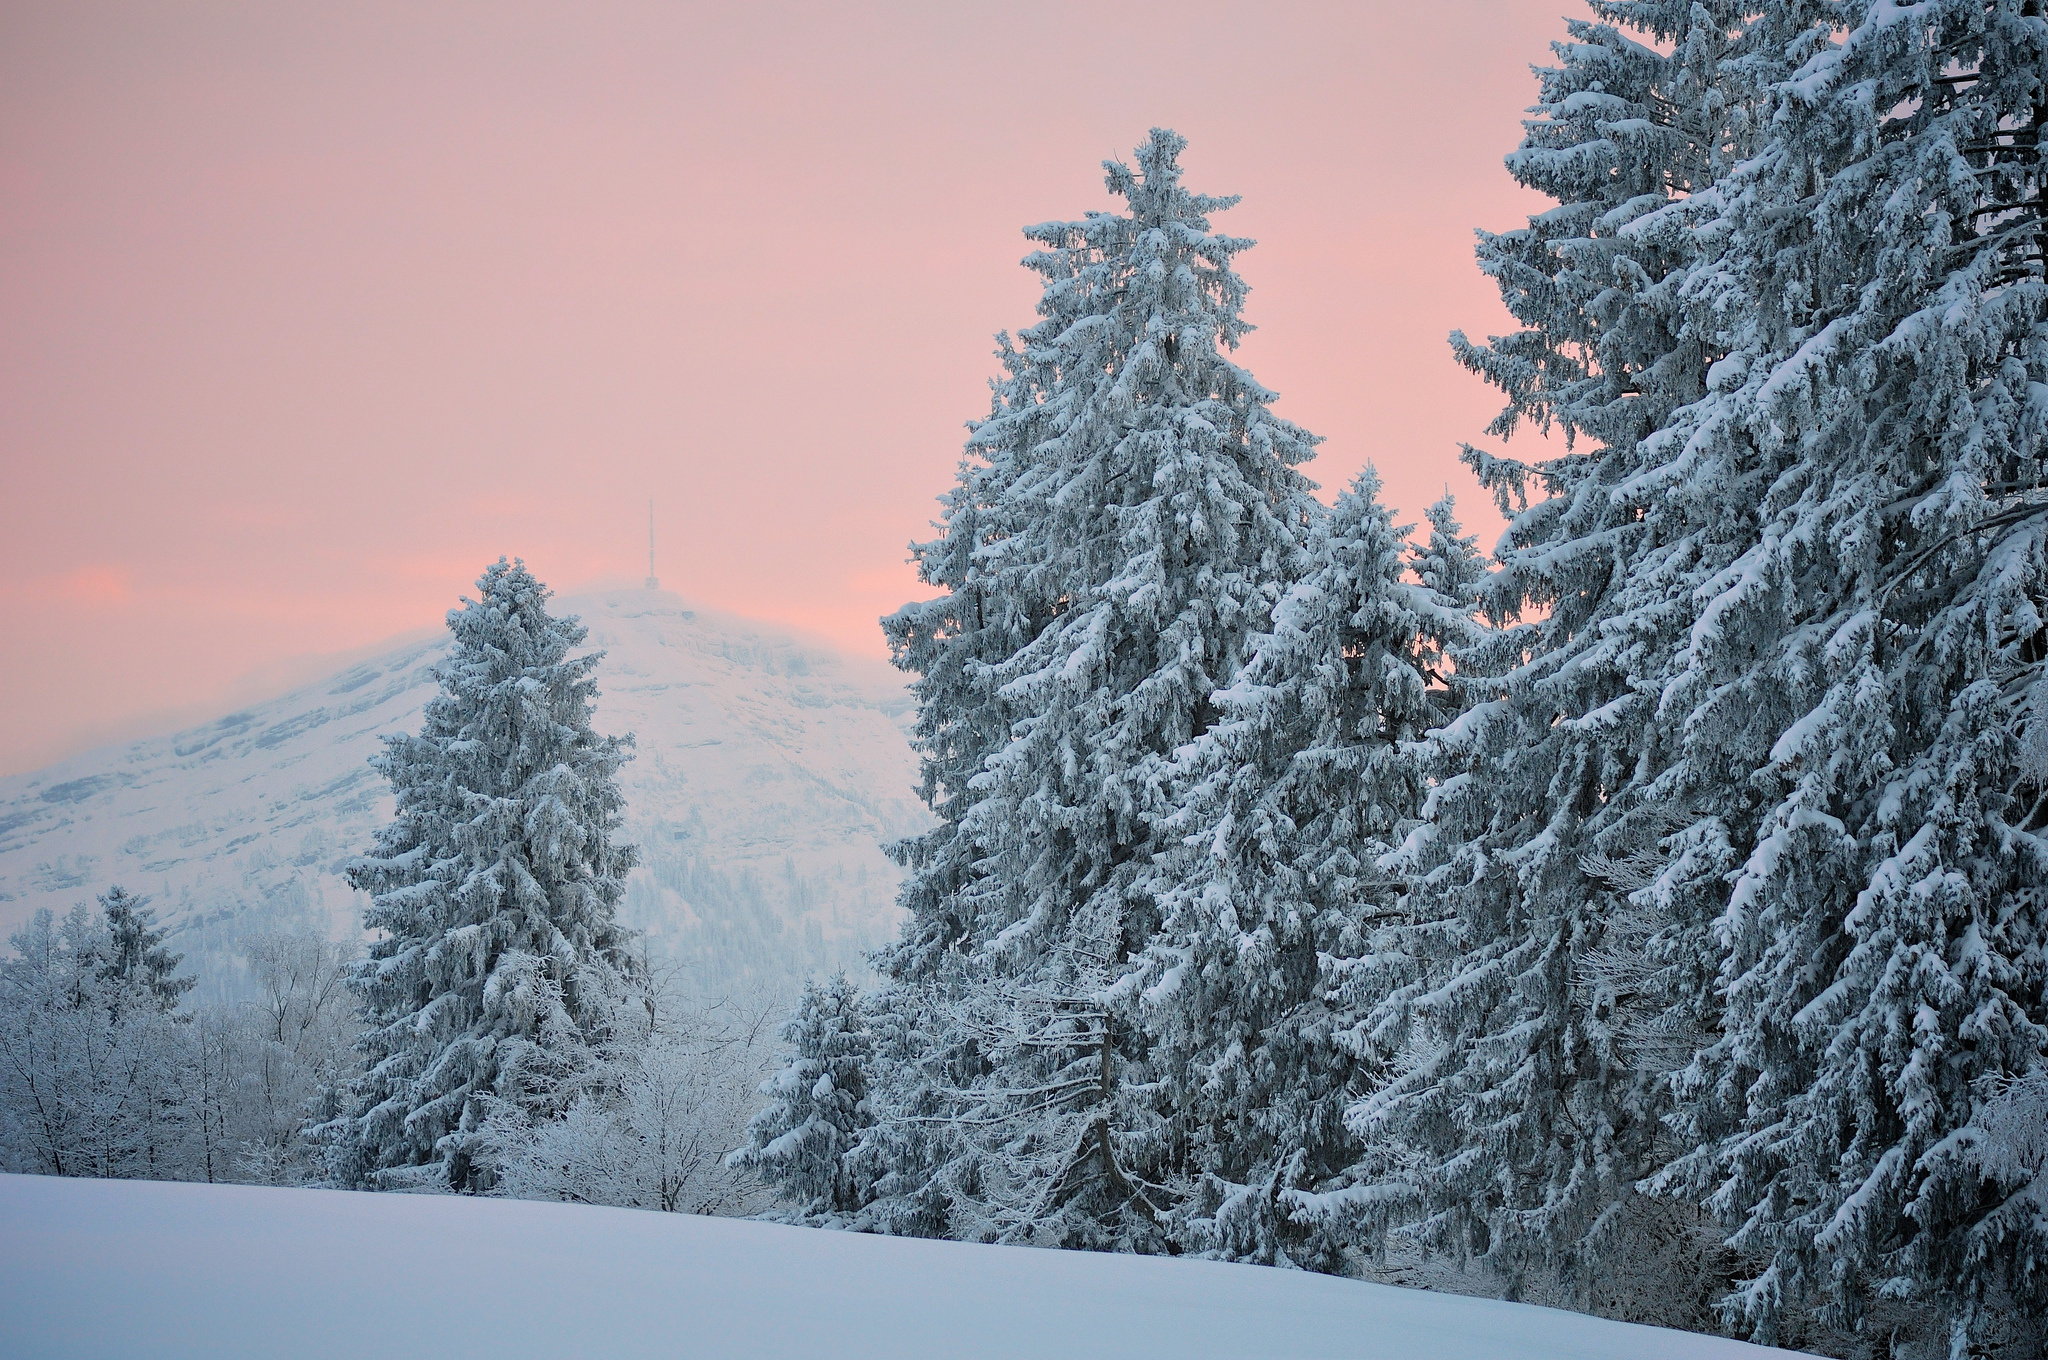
[124,1268]
[767,771]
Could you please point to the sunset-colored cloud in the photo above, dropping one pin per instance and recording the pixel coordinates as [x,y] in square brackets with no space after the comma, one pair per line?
[102,586]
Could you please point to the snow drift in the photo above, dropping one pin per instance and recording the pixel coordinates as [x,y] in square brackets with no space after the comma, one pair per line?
[119,1268]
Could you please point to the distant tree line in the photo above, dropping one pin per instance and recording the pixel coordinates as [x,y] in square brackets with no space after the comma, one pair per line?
[103,1072]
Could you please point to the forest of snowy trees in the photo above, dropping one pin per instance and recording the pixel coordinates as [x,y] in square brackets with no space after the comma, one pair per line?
[1663,899]
[1649,915]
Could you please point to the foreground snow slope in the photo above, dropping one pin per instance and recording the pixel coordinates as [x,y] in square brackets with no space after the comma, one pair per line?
[120,1268]
[768,769]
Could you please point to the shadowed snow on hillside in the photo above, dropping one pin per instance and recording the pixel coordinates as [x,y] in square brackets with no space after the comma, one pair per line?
[767,771]
[119,1268]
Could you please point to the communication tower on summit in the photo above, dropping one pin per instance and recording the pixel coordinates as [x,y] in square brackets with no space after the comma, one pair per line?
[653,581]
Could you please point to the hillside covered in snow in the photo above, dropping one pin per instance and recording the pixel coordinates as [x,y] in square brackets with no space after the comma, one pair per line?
[768,771]
[116,1268]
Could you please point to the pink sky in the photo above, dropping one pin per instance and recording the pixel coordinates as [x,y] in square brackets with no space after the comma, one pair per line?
[309,310]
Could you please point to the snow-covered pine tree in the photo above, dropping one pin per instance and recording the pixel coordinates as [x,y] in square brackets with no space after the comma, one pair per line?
[1125,519]
[798,1143]
[1523,1109]
[1284,806]
[1622,134]
[495,887]
[1450,569]
[139,962]
[1861,681]
[1751,782]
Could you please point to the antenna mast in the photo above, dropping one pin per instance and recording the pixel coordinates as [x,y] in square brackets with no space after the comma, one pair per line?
[653,581]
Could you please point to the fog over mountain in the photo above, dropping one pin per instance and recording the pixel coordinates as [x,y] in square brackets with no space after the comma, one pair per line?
[769,769]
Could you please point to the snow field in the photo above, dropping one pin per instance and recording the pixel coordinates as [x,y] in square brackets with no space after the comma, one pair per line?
[132,1268]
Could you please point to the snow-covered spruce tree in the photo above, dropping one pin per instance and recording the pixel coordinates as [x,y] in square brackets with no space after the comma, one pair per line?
[495,887]
[1861,681]
[798,1143]
[1450,568]
[1285,804]
[1522,1110]
[139,962]
[1622,135]
[1125,518]
[1750,783]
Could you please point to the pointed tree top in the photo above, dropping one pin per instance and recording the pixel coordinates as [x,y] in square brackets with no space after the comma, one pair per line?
[512,599]
[1154,190]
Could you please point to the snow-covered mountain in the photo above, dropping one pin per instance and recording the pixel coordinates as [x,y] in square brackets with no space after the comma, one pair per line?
[768,770]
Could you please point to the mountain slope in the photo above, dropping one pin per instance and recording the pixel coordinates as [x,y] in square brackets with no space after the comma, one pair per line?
[767,771]
[116,1268]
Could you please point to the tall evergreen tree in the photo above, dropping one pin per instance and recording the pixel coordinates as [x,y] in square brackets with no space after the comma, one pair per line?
[139,962]
[1736,865]
[1525,1107]
[495,887]
[1285,805]
[1869,667]
[799,1141]
[1124,521]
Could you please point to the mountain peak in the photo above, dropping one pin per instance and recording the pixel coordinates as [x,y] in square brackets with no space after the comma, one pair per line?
[769,767]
